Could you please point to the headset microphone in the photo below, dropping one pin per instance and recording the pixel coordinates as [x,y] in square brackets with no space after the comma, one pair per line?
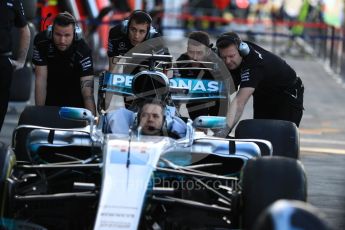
[45,20]
[151,128]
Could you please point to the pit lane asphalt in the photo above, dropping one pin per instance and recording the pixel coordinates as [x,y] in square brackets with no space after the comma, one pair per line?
[322,135]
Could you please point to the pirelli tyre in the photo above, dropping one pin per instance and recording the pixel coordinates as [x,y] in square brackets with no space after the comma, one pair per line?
[268,179]
[46,116]
[7,162]
[283,135]
[21,85]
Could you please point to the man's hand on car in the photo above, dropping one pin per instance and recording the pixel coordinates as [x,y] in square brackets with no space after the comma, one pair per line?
[223,132]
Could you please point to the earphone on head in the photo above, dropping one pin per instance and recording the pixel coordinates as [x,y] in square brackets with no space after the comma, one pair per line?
[151,30]
[138,115]
[78,33]
[242,47]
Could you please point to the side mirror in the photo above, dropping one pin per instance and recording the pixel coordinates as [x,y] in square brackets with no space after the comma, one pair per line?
[79,114]
[209,122]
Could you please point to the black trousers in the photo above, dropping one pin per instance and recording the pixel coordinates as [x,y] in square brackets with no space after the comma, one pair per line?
[6,71]
[288,105]
[285,112]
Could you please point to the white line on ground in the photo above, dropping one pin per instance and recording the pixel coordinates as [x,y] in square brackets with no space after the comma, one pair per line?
[322,141]
[323,150]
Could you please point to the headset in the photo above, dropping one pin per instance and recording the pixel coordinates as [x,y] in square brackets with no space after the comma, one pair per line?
[242,47]
[78,32]
[151,30]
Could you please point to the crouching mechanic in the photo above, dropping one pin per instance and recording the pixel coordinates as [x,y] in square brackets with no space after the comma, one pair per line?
[153,118]
[199,50]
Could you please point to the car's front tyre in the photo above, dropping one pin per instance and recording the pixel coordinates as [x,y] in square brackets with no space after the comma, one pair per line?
[268,179]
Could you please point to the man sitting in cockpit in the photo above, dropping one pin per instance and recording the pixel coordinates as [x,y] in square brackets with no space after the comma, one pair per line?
[153,118]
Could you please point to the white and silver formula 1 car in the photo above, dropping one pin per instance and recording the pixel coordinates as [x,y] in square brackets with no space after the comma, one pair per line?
[63,171]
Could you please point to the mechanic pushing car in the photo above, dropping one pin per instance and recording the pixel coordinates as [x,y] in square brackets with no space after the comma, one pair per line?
[63,66]
[127,37]
[276,89]
[128,34]
[11,14]
[198,50]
